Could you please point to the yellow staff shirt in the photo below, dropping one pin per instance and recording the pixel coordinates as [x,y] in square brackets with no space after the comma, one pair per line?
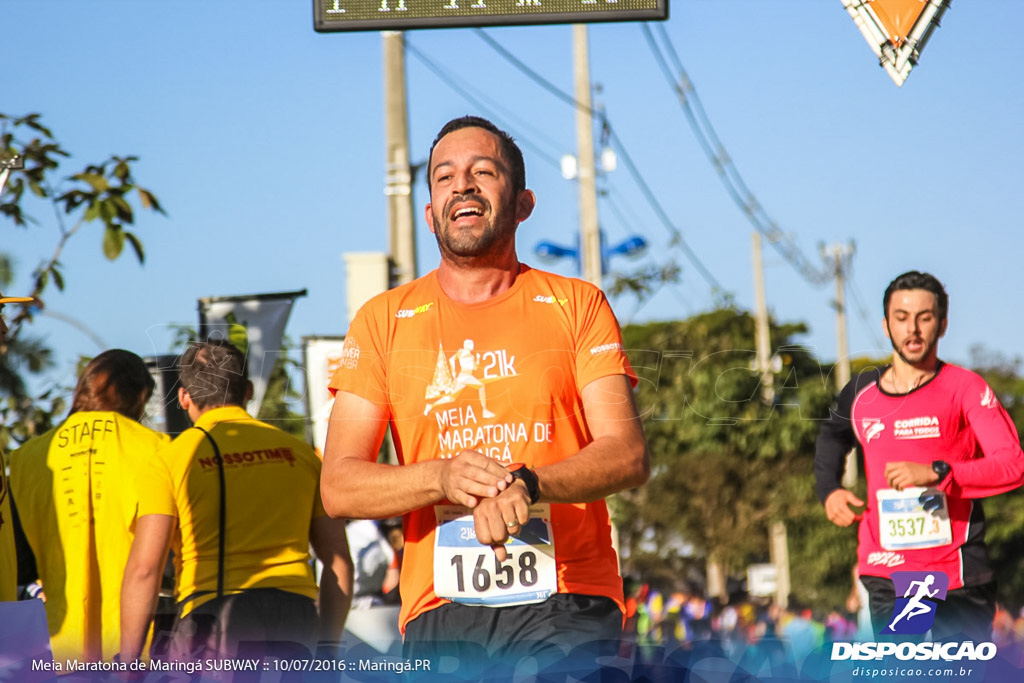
[76,492]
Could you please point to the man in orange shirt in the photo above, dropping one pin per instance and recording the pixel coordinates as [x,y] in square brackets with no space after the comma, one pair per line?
[507,536]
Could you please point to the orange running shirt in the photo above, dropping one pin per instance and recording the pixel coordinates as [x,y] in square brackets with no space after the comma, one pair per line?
[503,377]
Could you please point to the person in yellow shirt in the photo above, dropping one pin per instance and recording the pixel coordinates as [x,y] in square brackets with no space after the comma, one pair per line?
[239,502]
[8,556]
[76,493]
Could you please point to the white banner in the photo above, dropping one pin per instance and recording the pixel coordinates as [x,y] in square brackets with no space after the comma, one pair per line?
[321,357]
[255,324]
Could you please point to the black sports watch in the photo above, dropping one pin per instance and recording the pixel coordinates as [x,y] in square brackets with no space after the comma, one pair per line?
[941,468]
[524,474]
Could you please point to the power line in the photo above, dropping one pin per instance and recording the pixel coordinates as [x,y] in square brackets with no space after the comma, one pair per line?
[457,84]
[611,199]
[720,160]
[869,326]
[677,237]
[453,81]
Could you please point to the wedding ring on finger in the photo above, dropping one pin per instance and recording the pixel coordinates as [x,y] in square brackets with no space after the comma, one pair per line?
[512,524]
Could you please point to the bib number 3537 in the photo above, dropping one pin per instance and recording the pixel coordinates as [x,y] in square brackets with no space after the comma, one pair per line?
[905,524]
[467,572]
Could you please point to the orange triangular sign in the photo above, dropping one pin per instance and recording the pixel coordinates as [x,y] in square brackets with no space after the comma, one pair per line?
[897,17]
[896,30]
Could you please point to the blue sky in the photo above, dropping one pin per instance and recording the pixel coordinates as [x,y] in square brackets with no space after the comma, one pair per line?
[264,142]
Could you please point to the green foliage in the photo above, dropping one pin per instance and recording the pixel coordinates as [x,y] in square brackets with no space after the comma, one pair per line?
[280,394]
[643,282]
[724,462]
[1005,514]
[100,193]
[23,416]
[1003,374]
[1005,537]
[822,556]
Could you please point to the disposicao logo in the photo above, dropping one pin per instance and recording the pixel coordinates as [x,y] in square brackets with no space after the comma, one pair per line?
[914,612]
[917,596]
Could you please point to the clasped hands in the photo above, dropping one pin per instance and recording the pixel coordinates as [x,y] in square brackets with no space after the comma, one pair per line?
[500,505]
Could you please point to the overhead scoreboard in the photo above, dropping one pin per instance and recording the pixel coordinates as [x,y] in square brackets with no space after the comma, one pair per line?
[396,15]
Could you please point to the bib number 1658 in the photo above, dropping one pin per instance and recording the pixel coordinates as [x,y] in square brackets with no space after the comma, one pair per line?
[468,572]
[504,575]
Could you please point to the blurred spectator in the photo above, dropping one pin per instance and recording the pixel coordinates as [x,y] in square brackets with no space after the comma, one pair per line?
[392,530]
[839,628]
[372,560]
[804,633]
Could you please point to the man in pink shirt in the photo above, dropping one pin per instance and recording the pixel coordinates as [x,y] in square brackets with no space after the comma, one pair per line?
[934,439]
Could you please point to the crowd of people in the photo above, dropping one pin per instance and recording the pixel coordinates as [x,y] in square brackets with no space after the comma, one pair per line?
[680,618]
[507,543]
[754,632]
[102,502]
[509,437]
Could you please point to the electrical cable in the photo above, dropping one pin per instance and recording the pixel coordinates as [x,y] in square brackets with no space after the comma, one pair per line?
[452,81]
[720,160]
[869,326]
[677,238]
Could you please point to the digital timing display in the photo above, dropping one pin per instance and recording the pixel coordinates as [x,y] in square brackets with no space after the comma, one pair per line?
[388,15]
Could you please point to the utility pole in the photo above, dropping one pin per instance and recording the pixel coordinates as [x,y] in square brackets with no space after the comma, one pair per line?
[590,235]
[778,539]
[762,340]
[839,256]
[398,183]
[398,187]
[778,552]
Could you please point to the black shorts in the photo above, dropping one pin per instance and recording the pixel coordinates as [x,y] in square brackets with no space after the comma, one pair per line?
[249,624]
[965,614]
[565,635]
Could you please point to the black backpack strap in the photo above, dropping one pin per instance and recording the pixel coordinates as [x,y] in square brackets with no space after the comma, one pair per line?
[222,521]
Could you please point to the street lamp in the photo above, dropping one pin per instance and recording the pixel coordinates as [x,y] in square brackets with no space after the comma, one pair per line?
[633,246]
[549,251]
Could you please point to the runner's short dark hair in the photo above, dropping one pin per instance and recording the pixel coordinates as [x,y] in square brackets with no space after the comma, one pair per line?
[914,279]
[116,380]
[509,149]
[214,373]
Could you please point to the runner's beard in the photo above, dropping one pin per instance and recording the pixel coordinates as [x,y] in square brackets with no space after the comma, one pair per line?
[460,245]
[924,353]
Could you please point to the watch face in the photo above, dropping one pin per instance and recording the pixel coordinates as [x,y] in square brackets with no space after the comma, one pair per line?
[521,472]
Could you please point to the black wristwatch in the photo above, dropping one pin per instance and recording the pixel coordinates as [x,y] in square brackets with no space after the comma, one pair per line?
[524,474]
[941,468]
